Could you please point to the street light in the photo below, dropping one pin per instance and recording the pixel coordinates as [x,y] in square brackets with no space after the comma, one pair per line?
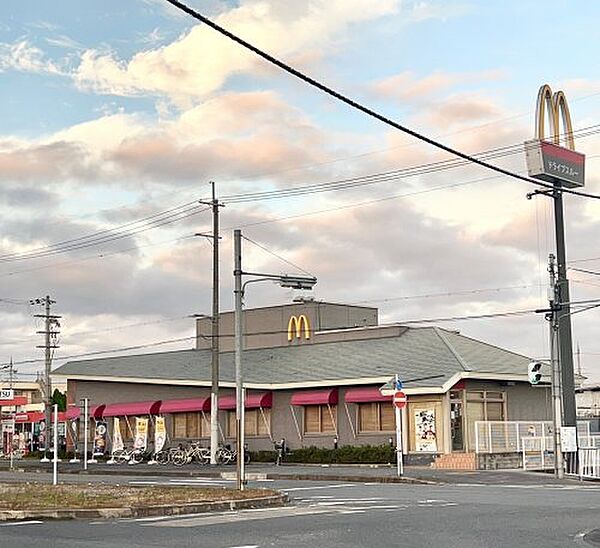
[295,282]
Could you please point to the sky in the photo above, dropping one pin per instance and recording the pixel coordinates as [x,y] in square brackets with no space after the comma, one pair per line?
[113,113]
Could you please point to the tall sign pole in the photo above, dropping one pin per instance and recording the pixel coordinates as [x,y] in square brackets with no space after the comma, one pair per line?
[564,168]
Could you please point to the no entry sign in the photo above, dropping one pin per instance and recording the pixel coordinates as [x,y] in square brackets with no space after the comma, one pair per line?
[399,399]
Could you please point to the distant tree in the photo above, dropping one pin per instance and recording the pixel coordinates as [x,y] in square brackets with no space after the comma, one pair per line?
[59,398]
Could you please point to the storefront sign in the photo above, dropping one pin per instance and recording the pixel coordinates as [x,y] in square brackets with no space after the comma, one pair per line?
[296,326]
[160,434]
[7,394]
[141,434]
[425,434]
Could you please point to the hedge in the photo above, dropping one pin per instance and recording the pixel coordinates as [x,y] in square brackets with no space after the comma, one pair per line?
[348,454]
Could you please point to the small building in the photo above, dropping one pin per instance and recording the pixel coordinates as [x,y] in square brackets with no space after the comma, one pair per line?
[313,373]
[588,401]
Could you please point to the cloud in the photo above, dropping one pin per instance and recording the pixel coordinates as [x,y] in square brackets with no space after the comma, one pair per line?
[24,57]
[406,86]
[201,61]
[463,109]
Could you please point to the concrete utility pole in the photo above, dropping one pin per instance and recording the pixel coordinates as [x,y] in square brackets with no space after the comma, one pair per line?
[50,322]
[214,395]
[12,425]
[555,364]
[239,405]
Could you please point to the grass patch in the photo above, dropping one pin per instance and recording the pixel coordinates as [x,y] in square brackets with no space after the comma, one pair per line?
[37,496]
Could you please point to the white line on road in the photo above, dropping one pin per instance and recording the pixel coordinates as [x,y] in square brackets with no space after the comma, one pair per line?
[15,523]
[334,486]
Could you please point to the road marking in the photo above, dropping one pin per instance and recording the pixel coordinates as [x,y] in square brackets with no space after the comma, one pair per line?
[246,546]
[236,517]
[334,486]
[330,503]
[16,523]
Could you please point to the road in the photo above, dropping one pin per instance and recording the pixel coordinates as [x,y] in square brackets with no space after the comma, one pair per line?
[335,514]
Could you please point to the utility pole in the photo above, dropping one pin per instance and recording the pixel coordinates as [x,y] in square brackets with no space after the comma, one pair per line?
[214,395]
[239,403]
[556,366]
[50,332]
[12,426]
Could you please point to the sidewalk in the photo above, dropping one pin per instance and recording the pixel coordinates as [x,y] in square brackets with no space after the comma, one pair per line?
[357,473]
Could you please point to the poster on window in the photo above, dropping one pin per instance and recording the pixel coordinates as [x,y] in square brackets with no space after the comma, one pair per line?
[141,434]
[74,431]
[117,444]
[425,438]
[160,434]
[99,439]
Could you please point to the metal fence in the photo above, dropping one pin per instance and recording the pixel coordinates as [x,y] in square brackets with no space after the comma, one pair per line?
[508,436]
[589,463]
[537,452]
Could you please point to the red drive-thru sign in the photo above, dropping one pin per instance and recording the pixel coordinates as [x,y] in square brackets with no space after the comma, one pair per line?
[399,399]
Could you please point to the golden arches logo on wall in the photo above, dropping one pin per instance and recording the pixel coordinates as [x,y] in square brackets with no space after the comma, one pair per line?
[297,326]
[556,104]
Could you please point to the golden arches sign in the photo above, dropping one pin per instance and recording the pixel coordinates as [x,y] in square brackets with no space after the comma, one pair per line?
[296,325]
[556,104]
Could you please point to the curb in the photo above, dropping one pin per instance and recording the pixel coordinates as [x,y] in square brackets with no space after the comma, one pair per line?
[353,479]
[252,476]
[147,511]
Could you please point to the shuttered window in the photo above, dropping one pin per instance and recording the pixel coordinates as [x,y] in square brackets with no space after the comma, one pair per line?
[319,418]
[256,424]
[189,425]
[376,417]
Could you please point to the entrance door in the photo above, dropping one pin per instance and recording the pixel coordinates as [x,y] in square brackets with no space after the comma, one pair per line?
[456,425]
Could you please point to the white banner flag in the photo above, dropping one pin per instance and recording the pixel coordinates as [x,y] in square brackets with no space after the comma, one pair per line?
[160,434]
[141,434]
[117,438]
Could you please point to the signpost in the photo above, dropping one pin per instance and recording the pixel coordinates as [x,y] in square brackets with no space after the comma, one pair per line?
[399,401]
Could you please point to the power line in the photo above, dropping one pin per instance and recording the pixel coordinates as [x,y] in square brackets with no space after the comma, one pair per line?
[366,110]
[375,178]
[98,238]
[277,256]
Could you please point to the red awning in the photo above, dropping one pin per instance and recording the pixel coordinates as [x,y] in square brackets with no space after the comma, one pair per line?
[254,400]
[133,408]
[72,413]
[182,406]
[18,400]
[96,412]
[315,397]
[365,394]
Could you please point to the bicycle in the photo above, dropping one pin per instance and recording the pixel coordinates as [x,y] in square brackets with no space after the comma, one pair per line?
[226,455]
[130,456]
[194,452]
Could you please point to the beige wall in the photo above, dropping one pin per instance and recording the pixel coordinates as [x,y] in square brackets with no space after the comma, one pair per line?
[267,327]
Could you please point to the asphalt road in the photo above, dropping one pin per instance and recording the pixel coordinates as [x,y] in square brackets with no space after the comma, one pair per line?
[333,514]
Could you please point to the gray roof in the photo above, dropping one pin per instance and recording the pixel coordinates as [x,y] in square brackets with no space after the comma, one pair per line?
[415,353]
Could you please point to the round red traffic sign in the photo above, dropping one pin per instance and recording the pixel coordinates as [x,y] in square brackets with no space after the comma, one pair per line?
[399,399]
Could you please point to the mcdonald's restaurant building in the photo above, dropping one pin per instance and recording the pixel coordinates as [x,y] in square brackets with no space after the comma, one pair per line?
[312,373]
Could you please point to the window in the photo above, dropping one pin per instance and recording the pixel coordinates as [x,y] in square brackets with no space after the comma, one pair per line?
[486,406]
[189,425]
[376,417]
[256,424]
[319,418]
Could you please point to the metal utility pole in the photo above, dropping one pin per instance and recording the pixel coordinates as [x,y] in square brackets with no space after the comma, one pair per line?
[237,273]
[214,395]
[555,364]
[50,332]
